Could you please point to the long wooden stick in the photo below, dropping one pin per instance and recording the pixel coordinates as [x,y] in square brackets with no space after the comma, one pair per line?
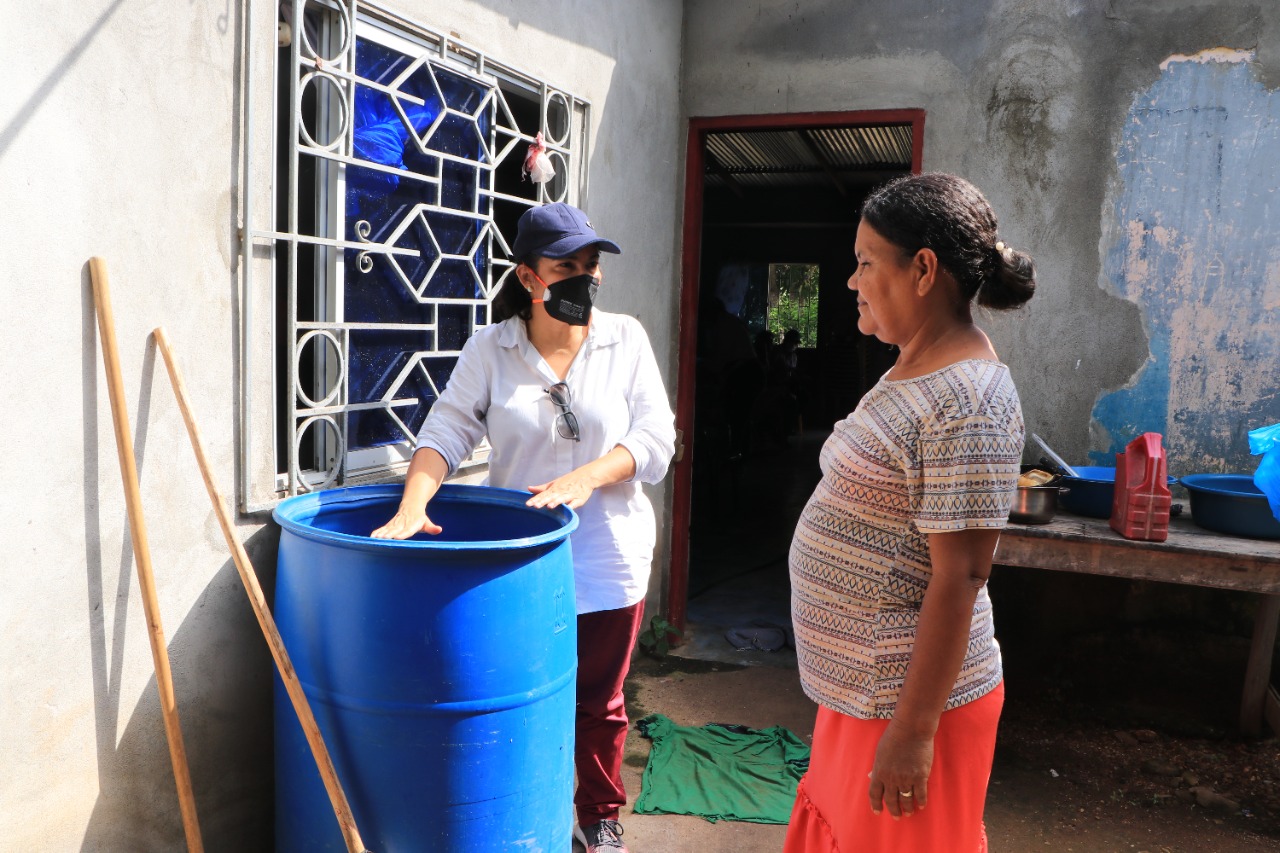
[142,553]
[346,820]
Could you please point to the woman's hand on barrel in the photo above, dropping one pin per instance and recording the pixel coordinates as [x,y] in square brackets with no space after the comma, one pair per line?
[426,472]
[571,490]
[407,523]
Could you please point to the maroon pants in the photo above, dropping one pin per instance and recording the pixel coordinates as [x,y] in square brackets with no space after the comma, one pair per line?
[605,640]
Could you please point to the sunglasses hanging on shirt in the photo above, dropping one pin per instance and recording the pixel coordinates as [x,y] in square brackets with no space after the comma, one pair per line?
[566,421]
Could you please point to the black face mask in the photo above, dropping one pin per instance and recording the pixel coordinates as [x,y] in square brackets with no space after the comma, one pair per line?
[569,300]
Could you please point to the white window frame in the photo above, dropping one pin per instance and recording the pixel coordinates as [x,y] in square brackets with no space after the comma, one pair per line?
[267,243]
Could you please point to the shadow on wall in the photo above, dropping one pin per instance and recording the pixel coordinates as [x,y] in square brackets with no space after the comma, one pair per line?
[221,665]
[224,698]
[23,115]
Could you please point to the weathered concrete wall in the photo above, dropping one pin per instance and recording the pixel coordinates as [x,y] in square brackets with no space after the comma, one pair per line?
[1036,103]
[1193,241]
[120,137]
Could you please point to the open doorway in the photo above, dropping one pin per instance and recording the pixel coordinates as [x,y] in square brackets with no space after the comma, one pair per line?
[770,355]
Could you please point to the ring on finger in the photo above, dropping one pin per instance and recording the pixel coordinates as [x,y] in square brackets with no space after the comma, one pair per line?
[906,795]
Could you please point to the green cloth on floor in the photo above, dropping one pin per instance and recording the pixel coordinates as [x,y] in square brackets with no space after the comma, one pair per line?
[720,771]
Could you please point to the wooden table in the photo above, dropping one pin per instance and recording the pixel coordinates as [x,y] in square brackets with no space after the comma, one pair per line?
[1191,555]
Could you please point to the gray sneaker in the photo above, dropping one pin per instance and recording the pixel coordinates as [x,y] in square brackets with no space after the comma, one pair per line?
[604,837]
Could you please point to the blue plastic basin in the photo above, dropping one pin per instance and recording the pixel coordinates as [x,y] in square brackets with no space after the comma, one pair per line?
[1231,504]
[441,671]
[1090,493]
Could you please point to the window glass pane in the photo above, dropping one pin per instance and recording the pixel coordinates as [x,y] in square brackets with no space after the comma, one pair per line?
[450,257]
[455,326]
[379,359]
[382,207]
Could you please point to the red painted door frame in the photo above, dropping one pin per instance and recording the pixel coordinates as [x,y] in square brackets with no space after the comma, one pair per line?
[681,502]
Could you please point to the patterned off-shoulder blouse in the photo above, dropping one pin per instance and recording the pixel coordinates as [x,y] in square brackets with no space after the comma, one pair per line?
[932,454]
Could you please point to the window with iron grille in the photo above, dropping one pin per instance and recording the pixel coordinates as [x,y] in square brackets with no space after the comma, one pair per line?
[398,181]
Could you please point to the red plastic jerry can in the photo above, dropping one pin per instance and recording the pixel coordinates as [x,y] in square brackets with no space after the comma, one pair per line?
[1140,507]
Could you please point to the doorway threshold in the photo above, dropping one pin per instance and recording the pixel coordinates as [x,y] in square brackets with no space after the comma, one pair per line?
[757,605]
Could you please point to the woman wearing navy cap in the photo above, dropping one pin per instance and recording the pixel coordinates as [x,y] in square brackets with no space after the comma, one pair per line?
[574,407]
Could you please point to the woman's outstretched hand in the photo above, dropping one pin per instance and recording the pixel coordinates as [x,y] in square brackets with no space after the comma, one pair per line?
[571,490]
[575,488]
[405,524]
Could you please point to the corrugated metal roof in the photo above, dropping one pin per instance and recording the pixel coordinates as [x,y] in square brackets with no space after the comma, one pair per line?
[804,157]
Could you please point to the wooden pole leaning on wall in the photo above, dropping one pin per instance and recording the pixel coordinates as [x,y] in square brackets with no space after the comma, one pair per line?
[328,773]
[142,552]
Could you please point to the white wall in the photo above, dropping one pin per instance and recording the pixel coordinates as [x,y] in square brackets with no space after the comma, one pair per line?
[119,137]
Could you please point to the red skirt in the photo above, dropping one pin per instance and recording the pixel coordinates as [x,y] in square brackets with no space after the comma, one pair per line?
[833,813]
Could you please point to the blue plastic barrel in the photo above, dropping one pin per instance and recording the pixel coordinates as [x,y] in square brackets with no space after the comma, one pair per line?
[441,671]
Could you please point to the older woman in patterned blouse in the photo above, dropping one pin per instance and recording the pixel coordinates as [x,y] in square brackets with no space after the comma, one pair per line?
[891,556]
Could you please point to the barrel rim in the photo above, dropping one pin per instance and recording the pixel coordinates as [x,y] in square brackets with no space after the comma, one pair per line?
[286,510]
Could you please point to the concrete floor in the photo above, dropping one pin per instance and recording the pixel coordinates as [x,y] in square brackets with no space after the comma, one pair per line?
[707,680]
[756,696]
[738,579]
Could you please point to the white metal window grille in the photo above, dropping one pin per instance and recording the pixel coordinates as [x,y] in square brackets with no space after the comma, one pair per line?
[397,171]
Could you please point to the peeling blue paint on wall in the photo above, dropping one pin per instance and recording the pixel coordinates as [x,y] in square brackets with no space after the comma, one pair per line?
[1194,241]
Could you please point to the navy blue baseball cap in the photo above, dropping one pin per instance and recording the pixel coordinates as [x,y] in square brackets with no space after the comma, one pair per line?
[556,231]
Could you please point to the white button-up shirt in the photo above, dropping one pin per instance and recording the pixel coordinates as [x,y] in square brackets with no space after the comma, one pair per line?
[499,388]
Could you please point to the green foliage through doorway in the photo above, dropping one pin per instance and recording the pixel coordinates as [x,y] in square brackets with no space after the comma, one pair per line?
[795,305]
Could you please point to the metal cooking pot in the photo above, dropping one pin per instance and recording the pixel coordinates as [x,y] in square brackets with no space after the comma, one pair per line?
[1035,504]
